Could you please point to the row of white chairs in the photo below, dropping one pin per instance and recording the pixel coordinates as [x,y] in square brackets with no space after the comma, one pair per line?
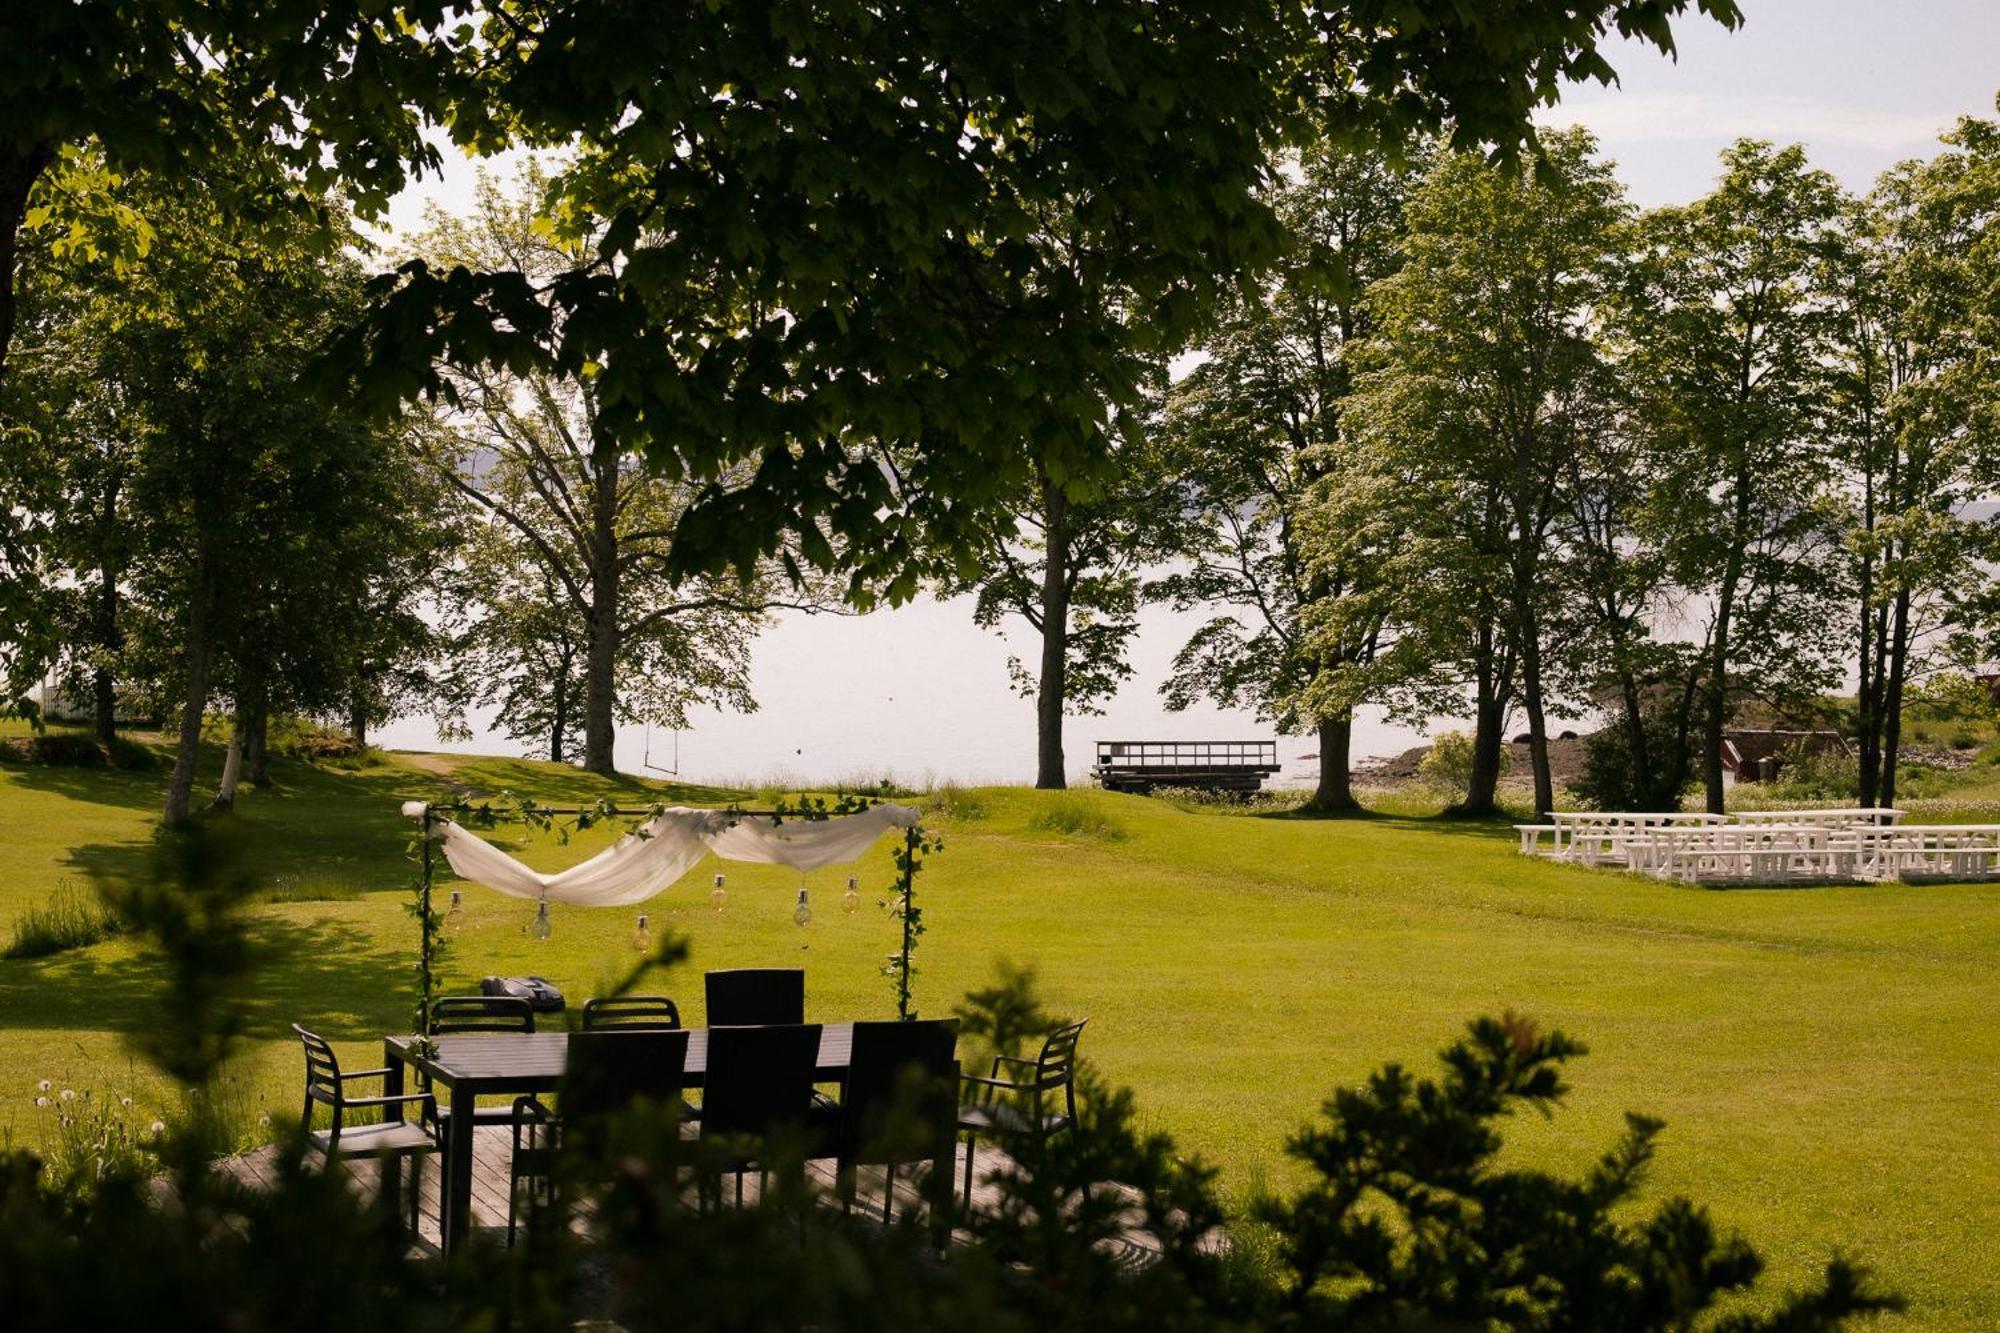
[1770,846]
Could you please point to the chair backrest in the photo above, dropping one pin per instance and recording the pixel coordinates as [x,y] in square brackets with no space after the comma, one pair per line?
[609,1072]
[759,1080]
[748,996]
[1055,1067]
[899,1101]
[322,1069]
[480,1013]
[632,1013]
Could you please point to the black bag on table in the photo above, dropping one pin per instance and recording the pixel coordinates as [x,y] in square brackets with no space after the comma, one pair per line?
[540,995]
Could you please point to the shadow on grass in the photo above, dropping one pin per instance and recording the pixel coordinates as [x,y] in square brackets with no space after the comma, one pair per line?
[319,973]
[1500,825]
[118,788]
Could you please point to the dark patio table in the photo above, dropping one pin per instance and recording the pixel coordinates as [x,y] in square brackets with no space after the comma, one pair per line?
[485,1064]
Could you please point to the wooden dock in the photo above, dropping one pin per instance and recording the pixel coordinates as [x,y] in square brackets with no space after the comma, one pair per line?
[1141,766]
[492,1144]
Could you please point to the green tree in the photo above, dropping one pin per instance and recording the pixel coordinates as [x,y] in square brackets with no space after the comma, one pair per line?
[96,90]
[1728,346]
[522,649]
[221,530]
[1912,283]
[1073,569]
[1257,433]
[584,519]
[864,251]
[68,448]
[1490,379]
[1619,586]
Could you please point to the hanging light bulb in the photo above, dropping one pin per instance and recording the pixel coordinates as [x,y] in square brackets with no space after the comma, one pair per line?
[540,927]
[455,918]
[850,902]
[642,937]
[803,913]
[716,897]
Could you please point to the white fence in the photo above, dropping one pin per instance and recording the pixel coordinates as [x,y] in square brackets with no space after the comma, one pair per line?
[1769,846]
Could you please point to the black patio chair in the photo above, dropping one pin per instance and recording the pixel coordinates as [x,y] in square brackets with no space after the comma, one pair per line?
[752,996]
[899,1104]
[1020,1105]
[480,1013]
[632,1013]
[532,1162]
[609,1072]
[387,1141]
[758,1093]
[606,1074]
[456,1015]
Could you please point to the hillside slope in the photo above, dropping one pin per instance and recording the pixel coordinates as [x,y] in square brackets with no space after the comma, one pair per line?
[1822,1057]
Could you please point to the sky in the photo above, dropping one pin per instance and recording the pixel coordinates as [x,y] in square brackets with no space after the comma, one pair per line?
[918,693]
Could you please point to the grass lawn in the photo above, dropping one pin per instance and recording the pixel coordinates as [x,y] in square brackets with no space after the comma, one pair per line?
[1824,1058]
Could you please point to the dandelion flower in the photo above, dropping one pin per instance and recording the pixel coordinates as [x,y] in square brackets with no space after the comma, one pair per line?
[41,1101]
[69,1094]
[157,1127]
[43,1086]
[124,1101]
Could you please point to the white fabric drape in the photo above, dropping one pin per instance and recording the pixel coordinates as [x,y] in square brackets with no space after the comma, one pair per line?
[808,844]
[641,864]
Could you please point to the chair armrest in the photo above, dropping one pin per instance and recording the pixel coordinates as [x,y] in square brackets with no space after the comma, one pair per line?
[365,1073]
[1004,1085]
[389,1101]
[1021,1060]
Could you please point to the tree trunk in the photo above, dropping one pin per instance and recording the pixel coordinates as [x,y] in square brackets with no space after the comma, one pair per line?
[257,743]
[1489,722]
[19,169]
[600,680]
[1635,734]
[559,723]
[103,685]
[1336,779]
[357,720]
[1892,702]
[232,765]
[1538,734]
[1868,695]
[194,699]
[1715,695]
[1053,684]
[105,629]
[600,733]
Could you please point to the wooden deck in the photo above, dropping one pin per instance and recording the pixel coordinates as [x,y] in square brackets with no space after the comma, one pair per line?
[492,1144]
[1141,766]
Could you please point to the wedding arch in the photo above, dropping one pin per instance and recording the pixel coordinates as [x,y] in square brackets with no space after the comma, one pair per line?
[658,849]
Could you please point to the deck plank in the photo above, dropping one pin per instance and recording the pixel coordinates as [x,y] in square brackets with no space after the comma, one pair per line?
[492,1146]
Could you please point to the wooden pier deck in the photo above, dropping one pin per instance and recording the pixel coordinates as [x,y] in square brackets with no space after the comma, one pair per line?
[1140,766]
[492,1144]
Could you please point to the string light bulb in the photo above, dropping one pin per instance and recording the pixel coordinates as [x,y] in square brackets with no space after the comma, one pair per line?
[455,918]
[850,902]
[803,913]
[716,897]
[541,927]
[642,935]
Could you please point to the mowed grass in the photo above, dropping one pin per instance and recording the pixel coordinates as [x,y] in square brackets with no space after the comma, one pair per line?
[1824,1058]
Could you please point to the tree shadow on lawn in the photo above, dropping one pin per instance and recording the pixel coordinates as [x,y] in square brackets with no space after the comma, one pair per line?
[486,776]
[119,788]
[1486,827]
[323,974]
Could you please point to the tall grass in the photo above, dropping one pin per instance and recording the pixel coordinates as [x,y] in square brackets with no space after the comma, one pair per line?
[1066,812]
[67,919]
